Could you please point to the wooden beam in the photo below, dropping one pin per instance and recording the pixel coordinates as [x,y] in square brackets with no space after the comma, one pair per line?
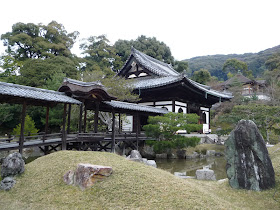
[21,138]
[113,131]
[96,117]
[173,105]
[69,119]
[63,138]
[120,123]
[81,117]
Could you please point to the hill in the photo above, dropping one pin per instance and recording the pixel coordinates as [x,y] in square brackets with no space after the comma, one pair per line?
[131,186]
[214,63]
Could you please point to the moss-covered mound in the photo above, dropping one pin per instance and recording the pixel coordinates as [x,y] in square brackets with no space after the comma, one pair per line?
[131,186]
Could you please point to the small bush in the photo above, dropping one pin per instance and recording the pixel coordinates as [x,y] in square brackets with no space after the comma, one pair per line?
[29,127]
[179,143]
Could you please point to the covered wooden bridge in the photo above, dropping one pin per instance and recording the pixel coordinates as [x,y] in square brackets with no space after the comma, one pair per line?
[89,96]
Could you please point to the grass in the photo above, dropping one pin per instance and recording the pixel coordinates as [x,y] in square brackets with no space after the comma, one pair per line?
[131,186]
[204,147]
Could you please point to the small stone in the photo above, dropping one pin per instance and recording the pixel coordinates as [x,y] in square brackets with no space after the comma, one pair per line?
[12,165]
[152,163]
[135,154]
[69,177]
[161,156]
[7,183]
[205,174]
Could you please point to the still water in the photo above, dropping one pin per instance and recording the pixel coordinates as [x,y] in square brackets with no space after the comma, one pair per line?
[218,164]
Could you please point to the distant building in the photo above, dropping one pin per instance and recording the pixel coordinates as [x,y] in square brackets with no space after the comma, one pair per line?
[250,88]
[159,85]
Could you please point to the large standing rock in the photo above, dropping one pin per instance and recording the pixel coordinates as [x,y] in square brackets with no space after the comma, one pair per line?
[12,165]
[86,175]
[248,163]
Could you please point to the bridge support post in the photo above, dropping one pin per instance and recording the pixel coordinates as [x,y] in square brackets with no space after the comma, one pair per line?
[21,138]
[63,139]
[96,117]
[137,129]
[69,119]
[113,131]
[81,118]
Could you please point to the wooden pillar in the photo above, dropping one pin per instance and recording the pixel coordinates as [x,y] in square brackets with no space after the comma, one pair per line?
[81,118]
[47,122]
[21,138]
[96,117]
[85,120]
[69,119]
[113,131]
[137,129]
[120,123]
[173,105]
[63,139]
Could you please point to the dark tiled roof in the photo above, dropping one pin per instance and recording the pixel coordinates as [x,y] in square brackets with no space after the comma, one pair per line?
[135,107]
[155,66]
[8,89]
[237,78]
[162,81]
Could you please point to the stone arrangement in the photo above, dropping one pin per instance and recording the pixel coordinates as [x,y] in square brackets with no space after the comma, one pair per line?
[248,163]
[12,165]
[86,175]
[136,156]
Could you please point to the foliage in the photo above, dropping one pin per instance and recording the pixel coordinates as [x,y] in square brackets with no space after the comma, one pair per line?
[233,65]
[164,129]
[214,63]
[9,117]
[202,76]
[273,80]
[150,46]
[179,143]
[116,86]
[35,72]
[29,127]
[100,55]
[266,117]
[27,41]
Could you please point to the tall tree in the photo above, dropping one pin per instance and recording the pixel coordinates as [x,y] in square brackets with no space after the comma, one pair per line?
[100,55]
[234,65]
[202,76]
[150,46]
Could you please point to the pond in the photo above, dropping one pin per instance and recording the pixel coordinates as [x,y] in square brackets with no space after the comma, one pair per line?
[218,164]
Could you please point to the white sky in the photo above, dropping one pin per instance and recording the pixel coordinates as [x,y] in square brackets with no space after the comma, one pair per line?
[189,27]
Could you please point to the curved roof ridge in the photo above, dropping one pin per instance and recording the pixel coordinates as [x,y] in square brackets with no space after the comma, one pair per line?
[163,69]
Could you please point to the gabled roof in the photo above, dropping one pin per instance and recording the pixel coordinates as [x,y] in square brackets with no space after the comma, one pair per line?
[162,81]
[79,89]
[36,96]
[236,78]
[155,66]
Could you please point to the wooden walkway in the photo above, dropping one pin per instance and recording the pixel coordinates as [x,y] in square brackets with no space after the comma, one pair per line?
[80,141]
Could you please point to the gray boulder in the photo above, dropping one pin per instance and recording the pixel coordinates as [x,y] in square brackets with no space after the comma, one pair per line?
[181,154]
[12,165]
[7,183]
[148,152]
[205,174]
[151,163]
[248,163]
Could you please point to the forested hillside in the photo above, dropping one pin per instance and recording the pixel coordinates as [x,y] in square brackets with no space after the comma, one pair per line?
[214,63]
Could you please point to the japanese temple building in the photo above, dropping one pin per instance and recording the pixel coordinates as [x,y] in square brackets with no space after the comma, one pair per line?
[159,85]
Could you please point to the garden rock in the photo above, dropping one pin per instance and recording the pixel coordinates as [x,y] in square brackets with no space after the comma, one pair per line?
[148,152]
[205,174]
[161,156]
[181,154]
[151,163]
[248,163]
[210,153]
[135,154]
[86,175]
[7,183]
[12,165]
[136,157]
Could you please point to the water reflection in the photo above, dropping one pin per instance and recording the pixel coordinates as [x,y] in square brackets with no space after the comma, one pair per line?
[218,164]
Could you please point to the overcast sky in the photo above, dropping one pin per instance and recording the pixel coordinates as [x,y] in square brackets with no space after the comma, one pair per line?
[189,27]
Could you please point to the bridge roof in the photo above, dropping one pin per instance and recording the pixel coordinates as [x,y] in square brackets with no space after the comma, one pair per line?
[14,93]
